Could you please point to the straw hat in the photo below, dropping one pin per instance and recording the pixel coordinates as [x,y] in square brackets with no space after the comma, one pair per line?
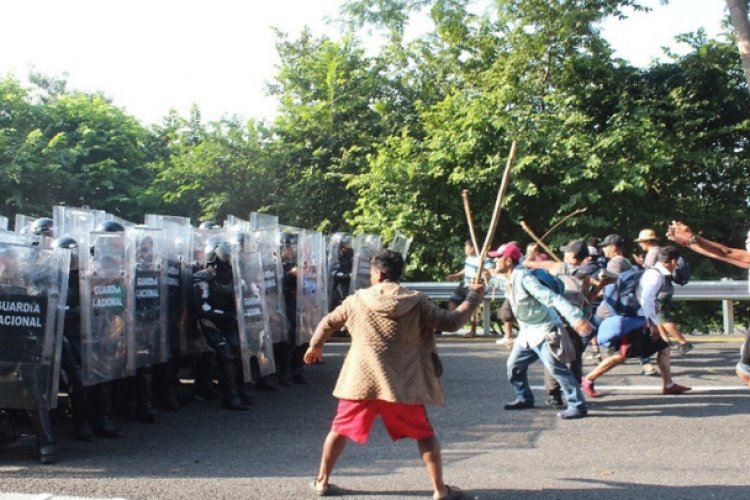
[647,235]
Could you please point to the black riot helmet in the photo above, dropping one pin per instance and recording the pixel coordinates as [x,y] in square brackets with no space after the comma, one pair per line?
[208,224]
[69,244]
[110,226]
[217,251]
[43,226]
[287,239]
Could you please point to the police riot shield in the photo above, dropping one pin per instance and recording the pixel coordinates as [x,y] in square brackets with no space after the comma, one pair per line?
[23,223]
[177,253]
[262,221]
[312,302]
[146,297]
[252,316]
[365,245]
[11,237]
[266,243]
[3,223]
[33,287]
[104,309]
[340,262]
[76,222]
[400,244]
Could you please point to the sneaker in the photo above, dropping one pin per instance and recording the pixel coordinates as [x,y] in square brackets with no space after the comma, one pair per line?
[504,341]
[572,413]
[674,390]
[685,348]
[555,401]
[650,371]
[518,404]
[452,493]
[587,386]
[595,355]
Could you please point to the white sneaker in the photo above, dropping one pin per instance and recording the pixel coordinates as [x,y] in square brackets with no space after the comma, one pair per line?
[504,341]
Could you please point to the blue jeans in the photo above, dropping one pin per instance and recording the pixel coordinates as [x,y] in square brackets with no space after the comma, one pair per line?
[518,367]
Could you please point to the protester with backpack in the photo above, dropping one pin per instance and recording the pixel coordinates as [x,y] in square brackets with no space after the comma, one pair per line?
[574,274]
[541,334]
[683,235]
[633,330]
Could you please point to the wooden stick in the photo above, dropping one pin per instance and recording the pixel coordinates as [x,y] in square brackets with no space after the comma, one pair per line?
[470,220]
[496,212]
[539,241]
[572,214]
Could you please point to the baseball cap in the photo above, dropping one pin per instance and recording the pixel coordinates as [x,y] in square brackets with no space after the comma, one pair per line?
[507,250]
[612,239]
[578,247]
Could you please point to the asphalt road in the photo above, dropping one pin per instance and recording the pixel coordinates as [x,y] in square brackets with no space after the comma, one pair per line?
[635,444]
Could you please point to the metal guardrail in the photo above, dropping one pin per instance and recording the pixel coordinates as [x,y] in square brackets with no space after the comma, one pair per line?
[727,291]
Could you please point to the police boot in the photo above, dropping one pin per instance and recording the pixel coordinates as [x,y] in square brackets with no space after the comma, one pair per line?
[79,408]
[231,399]
[103,422]
[45,440]
[170,401]
[8,433]
[144,411]
[204,379]
[243,389]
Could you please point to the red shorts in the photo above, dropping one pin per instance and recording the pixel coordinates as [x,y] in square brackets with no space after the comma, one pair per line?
[354,420]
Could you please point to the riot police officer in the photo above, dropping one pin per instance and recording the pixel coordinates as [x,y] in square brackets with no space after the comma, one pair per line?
[213,293]
[290,355]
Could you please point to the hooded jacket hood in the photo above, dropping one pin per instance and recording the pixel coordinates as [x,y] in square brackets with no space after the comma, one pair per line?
[389,299]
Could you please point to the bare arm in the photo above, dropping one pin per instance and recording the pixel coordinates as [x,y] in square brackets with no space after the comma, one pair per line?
[683,235]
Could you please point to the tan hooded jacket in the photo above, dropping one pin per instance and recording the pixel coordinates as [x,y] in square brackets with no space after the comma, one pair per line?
[393,353]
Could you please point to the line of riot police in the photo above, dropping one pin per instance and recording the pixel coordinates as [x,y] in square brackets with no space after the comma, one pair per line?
[117,316]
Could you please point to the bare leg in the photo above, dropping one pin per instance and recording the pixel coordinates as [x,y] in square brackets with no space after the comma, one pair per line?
[332,449]
[430,450]
[745,379]
[606,365]
[672,330]
[508,329]
[664,360]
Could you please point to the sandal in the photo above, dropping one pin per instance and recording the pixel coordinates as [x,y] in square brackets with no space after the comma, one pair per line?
[452,493]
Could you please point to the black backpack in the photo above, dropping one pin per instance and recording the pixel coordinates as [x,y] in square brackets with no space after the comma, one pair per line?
[621,296]
[681,273]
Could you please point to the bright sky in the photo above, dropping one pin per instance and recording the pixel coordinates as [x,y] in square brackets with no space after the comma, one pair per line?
[151,56]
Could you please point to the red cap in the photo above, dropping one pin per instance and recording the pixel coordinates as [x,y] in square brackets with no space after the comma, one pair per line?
[507,250]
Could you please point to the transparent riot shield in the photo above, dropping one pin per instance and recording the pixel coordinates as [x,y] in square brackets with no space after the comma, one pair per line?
[365,245]
[11,237]
[103,309]
[265,241]
[23,223]
[146,298]
[3,223]
[260,221]
[401,244]
[33,287]
[252,317]
[178,247]
[340,262]
[311,284]
[76,222]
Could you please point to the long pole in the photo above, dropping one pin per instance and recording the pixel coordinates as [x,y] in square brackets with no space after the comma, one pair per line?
[496,212]
[572,214]
[538,241]
[470,219]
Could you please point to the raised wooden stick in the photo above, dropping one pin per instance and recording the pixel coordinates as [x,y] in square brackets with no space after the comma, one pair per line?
[470,220]
[496,212]
[572,214]
[538,241]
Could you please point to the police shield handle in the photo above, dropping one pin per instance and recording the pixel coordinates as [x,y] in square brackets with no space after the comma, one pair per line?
[538,241]
[470,219]
[496,212]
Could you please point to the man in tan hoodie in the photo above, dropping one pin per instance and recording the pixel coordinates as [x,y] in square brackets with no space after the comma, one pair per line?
[392,368]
